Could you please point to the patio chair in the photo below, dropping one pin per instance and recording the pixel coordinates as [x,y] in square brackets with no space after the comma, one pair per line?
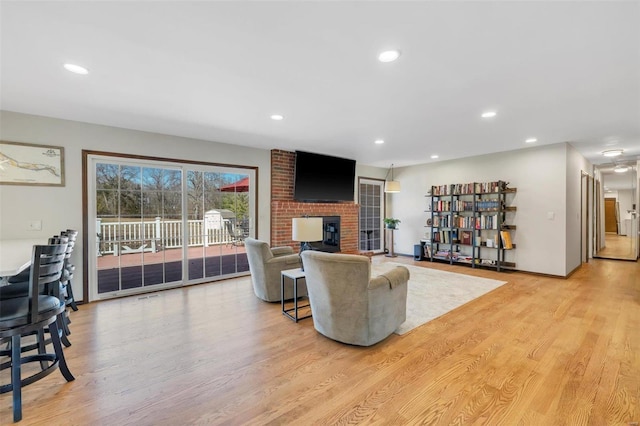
[236,235]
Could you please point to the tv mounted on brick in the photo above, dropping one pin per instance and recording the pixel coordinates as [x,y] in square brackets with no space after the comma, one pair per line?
[323,178]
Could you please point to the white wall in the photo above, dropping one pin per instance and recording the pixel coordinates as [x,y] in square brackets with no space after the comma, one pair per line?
[540,176]
[625,202]
[576,164]
[61,207]
[637,206]
[369,172]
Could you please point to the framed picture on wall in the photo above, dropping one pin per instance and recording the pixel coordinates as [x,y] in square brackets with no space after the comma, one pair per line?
[30,164]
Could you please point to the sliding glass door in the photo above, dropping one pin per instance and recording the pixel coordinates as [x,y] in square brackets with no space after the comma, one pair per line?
[134,206]
[160,225]
[217,211]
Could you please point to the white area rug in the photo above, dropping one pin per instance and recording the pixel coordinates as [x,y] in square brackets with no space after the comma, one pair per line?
[432,293]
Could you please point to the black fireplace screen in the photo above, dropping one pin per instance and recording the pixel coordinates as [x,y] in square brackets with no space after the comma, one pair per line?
[331,235]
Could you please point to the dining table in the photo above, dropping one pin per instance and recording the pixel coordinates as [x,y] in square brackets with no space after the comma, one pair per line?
[15,256]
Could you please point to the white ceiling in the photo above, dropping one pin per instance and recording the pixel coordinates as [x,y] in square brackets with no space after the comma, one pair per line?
[561,72]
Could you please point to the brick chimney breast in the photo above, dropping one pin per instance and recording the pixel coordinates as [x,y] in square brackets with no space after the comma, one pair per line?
[284,208]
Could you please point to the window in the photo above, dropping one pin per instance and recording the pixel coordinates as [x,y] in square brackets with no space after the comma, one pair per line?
[371,201]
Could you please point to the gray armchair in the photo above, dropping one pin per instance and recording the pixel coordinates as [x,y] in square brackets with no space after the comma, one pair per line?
[265,265]
[350,306]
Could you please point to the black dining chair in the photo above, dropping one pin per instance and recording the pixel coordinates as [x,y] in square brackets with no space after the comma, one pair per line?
[67,273]
[19,287]
[35,312]
[60,291]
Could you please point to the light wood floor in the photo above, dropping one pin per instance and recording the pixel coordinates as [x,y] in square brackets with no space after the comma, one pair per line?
[618,247]
[537,351]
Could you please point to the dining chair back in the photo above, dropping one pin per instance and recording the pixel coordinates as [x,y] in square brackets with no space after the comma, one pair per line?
[69,268]
[60,291]
[34,312]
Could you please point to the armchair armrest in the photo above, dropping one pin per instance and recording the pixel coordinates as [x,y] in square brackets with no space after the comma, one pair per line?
[280,251]
[391,279]
[292,259]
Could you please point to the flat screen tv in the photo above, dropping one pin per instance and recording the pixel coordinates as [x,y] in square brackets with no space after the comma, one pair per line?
[323,178]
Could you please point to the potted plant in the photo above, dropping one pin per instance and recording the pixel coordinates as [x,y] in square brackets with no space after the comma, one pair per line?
[391,223]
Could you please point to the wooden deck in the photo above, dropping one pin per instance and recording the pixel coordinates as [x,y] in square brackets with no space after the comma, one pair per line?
[127,271]
[170,255]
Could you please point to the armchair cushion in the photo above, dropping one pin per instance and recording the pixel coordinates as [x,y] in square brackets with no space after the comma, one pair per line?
[347,304]
[266,264]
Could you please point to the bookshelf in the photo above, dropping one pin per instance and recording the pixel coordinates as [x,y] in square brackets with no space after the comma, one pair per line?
[472,224]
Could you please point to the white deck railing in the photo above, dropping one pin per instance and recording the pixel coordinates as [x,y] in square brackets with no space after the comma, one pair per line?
[130,237]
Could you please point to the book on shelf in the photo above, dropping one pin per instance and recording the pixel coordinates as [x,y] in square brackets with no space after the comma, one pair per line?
[465,258]
[443,254]
[506,240]
[465,238]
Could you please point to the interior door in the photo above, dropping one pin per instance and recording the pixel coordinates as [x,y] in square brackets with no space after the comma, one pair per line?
[610,219]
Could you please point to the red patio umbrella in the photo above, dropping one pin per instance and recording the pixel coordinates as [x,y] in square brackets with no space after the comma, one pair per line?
[239,186]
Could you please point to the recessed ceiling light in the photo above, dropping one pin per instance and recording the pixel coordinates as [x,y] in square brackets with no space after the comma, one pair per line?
[612,152]
[277,117]
[434,156]
[620,169]
[379,142]
[389,55]
[77,69]
[531,140]
[489,114]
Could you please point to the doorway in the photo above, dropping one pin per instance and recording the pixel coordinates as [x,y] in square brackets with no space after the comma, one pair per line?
[586,189]
[611,215]
[371,201]
[617,221]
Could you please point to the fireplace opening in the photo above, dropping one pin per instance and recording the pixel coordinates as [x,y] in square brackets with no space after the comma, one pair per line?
[330,235]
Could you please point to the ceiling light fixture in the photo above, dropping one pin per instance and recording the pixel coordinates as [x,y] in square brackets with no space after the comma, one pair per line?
[379,142]
[489,114]
[620,169]
[391,186]
[612,152]
[531,140]
[389,55]
[76,69]
[434,156]
[277,117]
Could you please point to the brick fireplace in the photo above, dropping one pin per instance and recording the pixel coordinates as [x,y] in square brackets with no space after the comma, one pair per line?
[284,208]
